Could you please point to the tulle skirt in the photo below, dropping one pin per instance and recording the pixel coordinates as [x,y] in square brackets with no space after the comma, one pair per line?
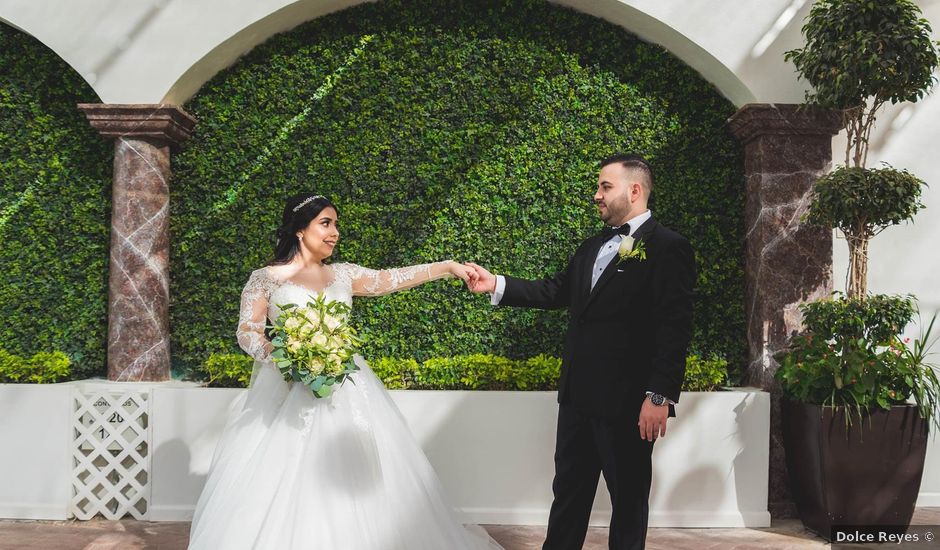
[292,471]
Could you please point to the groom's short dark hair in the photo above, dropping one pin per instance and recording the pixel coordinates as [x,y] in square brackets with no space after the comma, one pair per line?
[636,164]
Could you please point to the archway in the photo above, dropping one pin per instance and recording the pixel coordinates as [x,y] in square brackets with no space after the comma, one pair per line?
[378,105]
[616,12]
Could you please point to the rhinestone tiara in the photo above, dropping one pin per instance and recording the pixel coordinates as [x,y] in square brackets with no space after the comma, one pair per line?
[307,201]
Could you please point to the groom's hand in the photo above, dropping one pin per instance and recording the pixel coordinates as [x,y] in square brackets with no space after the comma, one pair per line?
[485,281]
[653,420]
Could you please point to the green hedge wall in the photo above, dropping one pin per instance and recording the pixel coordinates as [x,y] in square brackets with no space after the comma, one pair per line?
[55,200]
[449,129]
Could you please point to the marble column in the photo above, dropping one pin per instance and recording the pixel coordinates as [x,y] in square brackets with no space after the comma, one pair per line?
[138,285]
[788,262]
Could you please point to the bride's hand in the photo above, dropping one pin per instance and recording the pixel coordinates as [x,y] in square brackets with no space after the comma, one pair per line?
[467,274]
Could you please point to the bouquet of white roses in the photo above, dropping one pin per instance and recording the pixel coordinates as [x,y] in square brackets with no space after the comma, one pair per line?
[314,344]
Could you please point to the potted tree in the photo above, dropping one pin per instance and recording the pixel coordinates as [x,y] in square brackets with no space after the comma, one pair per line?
[858,398]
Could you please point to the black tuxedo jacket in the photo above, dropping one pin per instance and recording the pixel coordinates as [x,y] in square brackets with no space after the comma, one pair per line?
[631,333]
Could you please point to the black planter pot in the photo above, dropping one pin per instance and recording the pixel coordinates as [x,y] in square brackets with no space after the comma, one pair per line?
[868,474]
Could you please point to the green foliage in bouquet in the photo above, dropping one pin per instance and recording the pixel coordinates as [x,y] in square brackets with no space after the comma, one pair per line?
[55,209]
[228,370]
[41,368]
[314,344]
[450,129]
[850,354]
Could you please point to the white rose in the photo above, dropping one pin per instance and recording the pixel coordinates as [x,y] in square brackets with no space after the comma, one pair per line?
[292,324]
[332,322]
[310,317]
[337,342]
[320,339]
[316,367]
[293,345]
[626,246]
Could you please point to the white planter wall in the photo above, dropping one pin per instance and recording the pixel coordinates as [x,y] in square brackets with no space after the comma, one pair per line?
[492,450]
[35,443]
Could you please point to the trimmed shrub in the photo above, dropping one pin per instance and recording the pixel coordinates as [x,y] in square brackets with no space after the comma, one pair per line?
[228,370]
[704,374]
[41,368]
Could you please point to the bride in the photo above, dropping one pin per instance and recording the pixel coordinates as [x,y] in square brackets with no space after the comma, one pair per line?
[344,472]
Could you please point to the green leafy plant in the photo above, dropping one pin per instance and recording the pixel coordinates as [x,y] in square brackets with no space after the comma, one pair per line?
[471,372]
[395,373]
[41,368]
[228,370]
[704,374]
[13,368]
[489,372]
[468,372]
[862,203]
[860,55]
[850,354]
[919,375]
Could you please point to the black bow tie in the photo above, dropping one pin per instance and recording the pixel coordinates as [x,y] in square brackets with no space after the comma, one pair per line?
[608,232]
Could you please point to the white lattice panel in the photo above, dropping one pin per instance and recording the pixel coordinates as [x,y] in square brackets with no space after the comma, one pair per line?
[111,454]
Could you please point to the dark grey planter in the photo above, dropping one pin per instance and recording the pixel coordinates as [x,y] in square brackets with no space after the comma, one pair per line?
[868,474]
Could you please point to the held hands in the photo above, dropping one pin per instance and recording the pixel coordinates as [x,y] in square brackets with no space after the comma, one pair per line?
[484,280]
[477,279]
[467,274]
[653,419]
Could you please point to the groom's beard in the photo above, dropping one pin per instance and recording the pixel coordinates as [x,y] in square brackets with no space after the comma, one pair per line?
[614,214]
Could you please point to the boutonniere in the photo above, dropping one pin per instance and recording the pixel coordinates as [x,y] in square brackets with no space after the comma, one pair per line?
[631,248]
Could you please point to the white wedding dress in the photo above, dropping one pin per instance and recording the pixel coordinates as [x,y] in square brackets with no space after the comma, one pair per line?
[292,471]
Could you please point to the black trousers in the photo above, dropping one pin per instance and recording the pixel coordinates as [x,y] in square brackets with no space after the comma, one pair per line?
[584,448]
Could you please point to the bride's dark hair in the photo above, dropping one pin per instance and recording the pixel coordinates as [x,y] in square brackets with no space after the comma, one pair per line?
[298,212]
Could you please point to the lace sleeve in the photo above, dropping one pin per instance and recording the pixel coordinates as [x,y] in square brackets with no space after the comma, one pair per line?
[253,315]
[376,282]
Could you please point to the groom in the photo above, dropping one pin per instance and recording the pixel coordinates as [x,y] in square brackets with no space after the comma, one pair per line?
[628,291]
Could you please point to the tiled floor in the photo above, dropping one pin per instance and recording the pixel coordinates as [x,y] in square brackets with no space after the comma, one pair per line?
[139,535]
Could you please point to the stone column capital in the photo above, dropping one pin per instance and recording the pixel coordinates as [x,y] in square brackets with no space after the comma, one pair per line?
[167,123]
[783,119]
